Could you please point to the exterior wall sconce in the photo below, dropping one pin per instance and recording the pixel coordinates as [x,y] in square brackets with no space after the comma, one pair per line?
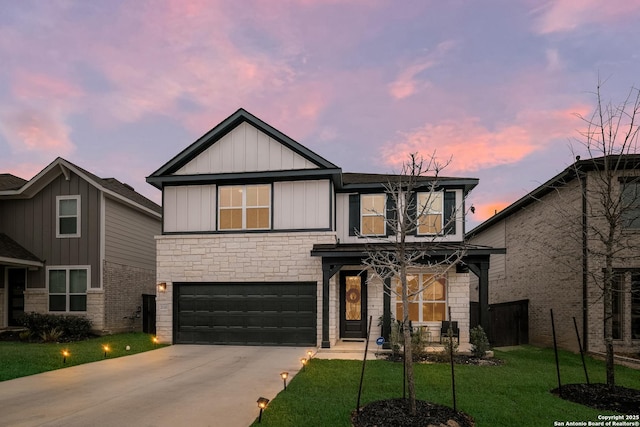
[162,287]
[262,404]
[284,375]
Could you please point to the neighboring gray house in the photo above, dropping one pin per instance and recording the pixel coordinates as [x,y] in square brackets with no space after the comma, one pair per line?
[74,243]
[550,261]
[258,245]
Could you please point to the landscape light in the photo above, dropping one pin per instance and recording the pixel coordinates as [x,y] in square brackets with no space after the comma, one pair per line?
[65,353]
[284,375]
[304,362]
[262,403]
[106,348]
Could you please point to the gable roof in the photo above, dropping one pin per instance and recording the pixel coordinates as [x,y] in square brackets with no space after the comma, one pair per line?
[10,182]
[165,173]
[109,186]
[12,253]
[623,162]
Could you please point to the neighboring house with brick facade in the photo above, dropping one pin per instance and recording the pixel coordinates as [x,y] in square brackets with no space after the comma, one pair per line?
[550,259]
[259,247]
[74,243]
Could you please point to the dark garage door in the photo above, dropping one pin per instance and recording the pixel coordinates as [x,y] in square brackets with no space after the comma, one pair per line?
[279,313]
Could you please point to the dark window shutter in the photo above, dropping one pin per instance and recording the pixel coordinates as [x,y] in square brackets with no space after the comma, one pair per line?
[412,212]
[450,212]
[391,215]
[354,214]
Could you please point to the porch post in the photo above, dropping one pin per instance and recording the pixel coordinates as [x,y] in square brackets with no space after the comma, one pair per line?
[326,276]
[481,269]
[386,312]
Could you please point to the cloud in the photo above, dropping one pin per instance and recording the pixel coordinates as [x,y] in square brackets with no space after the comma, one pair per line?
[30,87]
[408,81]
[568,15]
[474,146]
[31,130]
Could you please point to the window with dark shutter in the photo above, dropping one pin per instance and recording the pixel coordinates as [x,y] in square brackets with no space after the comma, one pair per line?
[354,214]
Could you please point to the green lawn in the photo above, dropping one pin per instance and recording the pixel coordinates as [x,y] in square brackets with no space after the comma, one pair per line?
[19,359]
[516,393]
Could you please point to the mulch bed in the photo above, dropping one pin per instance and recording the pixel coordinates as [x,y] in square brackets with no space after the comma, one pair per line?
[396,413]
[458,359]
[600,396]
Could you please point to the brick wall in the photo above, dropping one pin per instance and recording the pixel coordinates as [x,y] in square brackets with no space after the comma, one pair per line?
[123,289]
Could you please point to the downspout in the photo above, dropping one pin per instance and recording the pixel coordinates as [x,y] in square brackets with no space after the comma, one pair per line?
[585,257]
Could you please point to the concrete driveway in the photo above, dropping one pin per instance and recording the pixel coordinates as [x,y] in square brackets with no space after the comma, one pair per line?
[180,385]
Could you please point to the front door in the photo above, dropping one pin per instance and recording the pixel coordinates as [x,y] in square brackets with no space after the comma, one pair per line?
[16,279]
[353,304]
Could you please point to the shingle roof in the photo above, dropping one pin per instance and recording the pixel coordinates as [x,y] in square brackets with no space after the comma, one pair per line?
[10,182]
[9,248]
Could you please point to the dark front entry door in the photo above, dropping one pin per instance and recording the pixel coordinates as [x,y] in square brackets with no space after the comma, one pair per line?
[17,279]
[353,304]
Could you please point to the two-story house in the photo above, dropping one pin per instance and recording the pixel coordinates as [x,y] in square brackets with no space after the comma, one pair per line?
[555,258]
[263,242]
[74,243]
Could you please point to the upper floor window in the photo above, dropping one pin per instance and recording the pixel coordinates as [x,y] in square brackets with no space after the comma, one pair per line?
[68,288]
[372,214]
[244,207]
[631,204]
[68,216]
[430,213]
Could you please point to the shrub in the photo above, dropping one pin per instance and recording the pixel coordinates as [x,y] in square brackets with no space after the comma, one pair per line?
[419,343]
[479,341]
[53,327]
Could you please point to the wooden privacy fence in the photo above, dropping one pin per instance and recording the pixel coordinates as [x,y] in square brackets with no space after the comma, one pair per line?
[508,322]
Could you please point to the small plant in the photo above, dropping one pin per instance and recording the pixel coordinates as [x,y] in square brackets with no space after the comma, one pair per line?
[25,335]
[395,336]
[479,342]
[51,335]
[450,346]
[419,343]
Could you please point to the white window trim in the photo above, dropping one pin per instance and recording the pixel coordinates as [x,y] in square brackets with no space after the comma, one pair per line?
[67,268]
[78,216]
[398,299]
[244,207]
[429,211]
[370,213]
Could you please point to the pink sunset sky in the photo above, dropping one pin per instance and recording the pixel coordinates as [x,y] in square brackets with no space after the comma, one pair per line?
[120,87]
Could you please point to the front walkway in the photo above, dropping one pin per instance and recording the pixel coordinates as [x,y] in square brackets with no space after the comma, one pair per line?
[354,350]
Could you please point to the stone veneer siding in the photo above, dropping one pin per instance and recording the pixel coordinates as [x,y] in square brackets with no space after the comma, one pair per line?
[253,257]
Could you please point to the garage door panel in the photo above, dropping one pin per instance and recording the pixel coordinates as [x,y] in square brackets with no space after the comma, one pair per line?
[246,313]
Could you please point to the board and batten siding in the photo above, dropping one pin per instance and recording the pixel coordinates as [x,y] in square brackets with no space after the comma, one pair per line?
[245,149]
[302,205]
[189,208]
[297,205]
[129,236]
[32,223]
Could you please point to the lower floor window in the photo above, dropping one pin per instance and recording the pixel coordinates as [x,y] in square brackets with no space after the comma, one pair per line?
[427,297]
[626,306]
[68,288]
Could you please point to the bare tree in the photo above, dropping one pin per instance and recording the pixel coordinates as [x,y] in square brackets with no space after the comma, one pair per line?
[393,257]
[611,197]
